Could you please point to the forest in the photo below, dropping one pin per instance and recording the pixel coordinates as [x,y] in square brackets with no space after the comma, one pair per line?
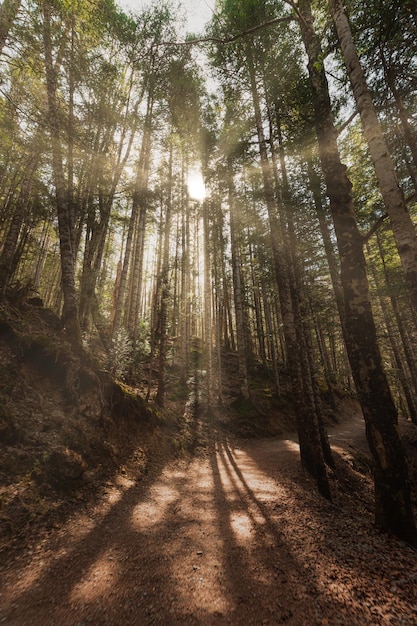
[179,202]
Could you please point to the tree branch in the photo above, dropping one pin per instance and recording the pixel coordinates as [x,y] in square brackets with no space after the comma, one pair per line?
[347,122]
[226,40]
[411,198]
[374,228]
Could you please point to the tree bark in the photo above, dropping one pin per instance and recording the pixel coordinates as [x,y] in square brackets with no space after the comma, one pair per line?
[393,510]
[65,223]
[237,286]
[307,427]
[402,225]
[185,293]
[208,347]
[407,344]
[395,347]
[165,287]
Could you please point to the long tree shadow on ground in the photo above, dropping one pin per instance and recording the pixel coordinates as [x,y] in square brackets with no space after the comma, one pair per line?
[354,565]
[226,537]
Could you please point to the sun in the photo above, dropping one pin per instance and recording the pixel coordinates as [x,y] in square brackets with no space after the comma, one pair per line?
[196,186]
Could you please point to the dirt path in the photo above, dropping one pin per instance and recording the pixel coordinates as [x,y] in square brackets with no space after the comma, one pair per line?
[237,535]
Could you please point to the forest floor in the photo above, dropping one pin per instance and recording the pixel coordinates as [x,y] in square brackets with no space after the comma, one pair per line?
[233,534]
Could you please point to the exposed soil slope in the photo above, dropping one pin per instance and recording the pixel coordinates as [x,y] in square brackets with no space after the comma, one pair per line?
[65,425]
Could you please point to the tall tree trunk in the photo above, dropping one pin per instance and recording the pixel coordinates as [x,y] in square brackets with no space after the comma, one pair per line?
[402,225]
[185,293]
[314,181]
[396,352]
[308,434]
[65,223]
[393,510]
[71,127]
[323,351]
[408,344]
[42,253]
[207,306]
[165,288]
[96,244]
[155,299]
[229,340]
[256,291]
[311,393]
[237,285]
[315,186]
[272,343]
[138,219]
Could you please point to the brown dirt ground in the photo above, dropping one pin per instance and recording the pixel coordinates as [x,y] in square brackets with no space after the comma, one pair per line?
[234,534]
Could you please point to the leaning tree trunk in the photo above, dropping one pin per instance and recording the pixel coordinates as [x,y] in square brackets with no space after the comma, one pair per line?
[8,252]
[402,225]
[392,488]
[314,183]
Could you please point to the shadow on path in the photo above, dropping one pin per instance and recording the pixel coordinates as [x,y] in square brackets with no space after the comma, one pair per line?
[235,535]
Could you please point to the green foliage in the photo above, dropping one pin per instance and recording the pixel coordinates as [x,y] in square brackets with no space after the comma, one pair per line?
[120,357]
[126,355]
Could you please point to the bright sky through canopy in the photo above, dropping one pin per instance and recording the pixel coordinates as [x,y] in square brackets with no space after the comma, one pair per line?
[196,186]
[197,12]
